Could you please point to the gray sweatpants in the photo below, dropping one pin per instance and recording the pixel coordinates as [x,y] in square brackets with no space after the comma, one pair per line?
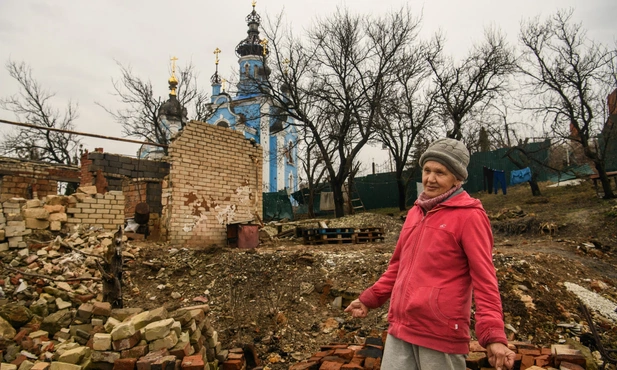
[400,355]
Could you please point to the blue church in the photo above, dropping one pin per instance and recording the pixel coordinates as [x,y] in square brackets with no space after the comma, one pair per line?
[254,114]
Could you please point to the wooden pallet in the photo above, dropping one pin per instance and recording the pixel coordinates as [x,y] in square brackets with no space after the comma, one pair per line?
[369,235]
[328,236]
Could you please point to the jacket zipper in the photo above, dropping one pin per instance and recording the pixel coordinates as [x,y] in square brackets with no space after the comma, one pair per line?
[415,252]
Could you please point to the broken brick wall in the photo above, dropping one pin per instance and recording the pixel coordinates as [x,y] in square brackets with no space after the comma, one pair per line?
[134,193]
[98,210]
[138,179]
[32,179]
[215,179]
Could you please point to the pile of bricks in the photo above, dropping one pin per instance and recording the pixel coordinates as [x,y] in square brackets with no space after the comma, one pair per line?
[19,216]
[531,357]
[368,357]
[99,337]
[346,356]
[12,225]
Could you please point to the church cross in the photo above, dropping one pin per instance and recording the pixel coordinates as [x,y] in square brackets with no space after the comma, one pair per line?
[217,51]
[173,66]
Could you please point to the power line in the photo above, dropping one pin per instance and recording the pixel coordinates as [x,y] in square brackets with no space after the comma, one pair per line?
[29,125]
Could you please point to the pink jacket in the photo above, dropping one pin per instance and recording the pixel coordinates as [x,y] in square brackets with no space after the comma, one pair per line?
[438,259]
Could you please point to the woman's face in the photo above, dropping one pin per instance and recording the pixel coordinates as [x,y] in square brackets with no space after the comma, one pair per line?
[437,179]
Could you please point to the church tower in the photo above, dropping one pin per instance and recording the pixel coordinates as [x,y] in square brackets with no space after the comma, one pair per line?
[172,117]
[253,114]
[252,52]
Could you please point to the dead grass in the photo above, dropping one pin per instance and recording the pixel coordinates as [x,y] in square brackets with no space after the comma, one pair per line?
[576,210]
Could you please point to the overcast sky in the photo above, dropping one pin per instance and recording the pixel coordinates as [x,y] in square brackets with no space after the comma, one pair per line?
[72,45]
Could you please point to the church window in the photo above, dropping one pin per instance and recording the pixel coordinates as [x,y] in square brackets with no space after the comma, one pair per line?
[246,69]
[291,182]
[222,123]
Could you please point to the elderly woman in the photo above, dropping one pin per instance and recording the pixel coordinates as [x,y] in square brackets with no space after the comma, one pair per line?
[444,253]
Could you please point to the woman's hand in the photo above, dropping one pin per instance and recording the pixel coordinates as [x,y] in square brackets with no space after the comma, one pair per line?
[500,356]
[357,309]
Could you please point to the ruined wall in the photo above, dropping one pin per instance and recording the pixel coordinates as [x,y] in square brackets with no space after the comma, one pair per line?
[134,193]
[32,179]
[215,178]
[21,217]
[99,210]
[139,179]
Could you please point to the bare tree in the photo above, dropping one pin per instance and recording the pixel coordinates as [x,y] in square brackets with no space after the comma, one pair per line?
[408,114]
[465,88]
[568,77]
[140,115]
[336,82]
[312,165]
[32,104]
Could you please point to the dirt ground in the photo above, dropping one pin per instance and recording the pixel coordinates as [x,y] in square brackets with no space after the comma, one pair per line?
[280,297]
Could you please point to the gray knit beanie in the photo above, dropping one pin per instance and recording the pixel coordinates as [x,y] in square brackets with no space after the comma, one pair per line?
[451,153]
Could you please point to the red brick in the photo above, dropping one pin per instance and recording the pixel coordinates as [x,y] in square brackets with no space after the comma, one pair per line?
[145,362]
[323,353]
[164,363]
[125,364]
[333,359]
[333,346]
[28,344]
[232,365]
[236,356]
[330,365]
[377,365]
[521,345]
[530,352]
[126,343]
[352,366]
[18,360]
[346,353]
[369,363]
[181,352]
[542,360]
[21,335]
[310,365]
[571,358]
[527,361]
[195,362]
[135,352]
[357,360]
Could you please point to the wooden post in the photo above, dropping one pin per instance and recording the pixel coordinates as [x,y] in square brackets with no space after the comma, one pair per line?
[112,271]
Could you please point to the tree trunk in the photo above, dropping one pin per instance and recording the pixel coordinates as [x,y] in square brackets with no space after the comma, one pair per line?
[533,183]
[112,274]
[339,199]
[604,180]
[310,206]
[402,193]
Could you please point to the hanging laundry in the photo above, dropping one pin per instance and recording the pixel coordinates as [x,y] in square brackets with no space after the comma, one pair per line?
[487,179]
[499,177]
[520,176]
[326,201]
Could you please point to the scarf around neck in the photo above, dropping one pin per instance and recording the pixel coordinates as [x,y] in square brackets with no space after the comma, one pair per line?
[427,203]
